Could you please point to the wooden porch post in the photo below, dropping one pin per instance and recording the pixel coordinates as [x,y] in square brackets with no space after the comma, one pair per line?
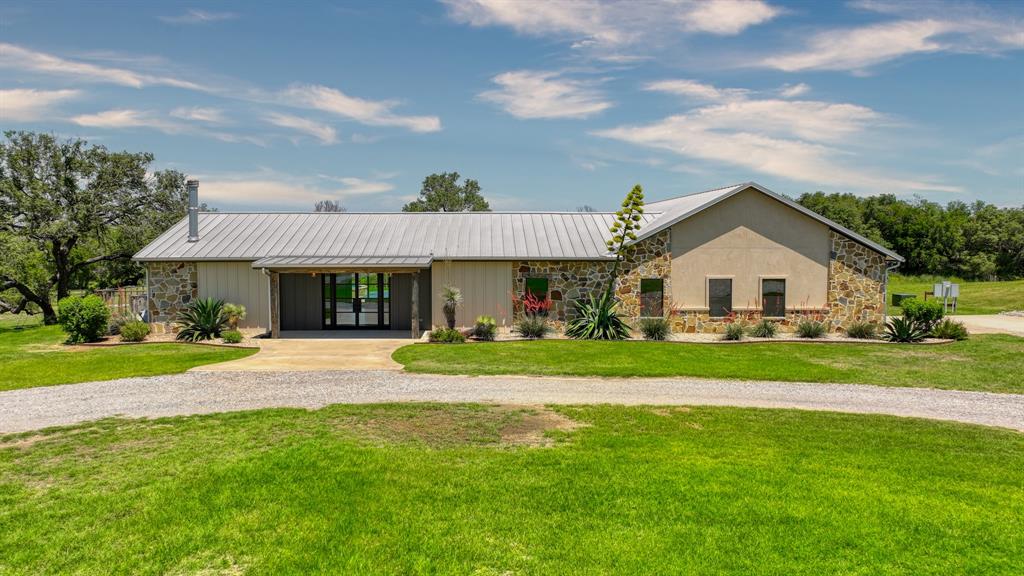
[415,305]
[275,305]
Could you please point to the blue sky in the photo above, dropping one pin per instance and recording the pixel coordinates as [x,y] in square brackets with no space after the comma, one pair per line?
[550,105]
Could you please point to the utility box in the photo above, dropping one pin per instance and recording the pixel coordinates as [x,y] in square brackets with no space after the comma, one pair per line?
[898,298]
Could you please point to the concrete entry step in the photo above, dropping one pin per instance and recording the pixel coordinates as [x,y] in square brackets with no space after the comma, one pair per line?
[317,354]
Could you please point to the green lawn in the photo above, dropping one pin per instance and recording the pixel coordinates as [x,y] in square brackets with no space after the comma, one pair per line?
[975,297]
[992,363]
[33,355]
[422,489]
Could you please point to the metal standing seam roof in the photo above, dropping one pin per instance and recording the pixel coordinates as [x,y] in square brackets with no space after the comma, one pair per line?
[331,261]
[413,236]
[444,235]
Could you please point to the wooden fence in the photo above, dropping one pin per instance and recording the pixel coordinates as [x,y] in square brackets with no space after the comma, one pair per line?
[124,301]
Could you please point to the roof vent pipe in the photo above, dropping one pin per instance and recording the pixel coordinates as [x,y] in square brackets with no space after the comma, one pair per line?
[193,210]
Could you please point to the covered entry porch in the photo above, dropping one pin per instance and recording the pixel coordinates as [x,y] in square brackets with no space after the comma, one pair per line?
[325,297]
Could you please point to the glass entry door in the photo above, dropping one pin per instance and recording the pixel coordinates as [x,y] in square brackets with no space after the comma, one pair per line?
[356,300]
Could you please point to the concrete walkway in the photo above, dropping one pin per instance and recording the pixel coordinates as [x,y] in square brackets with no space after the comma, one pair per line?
[207,392]
[992,324]
[373,353]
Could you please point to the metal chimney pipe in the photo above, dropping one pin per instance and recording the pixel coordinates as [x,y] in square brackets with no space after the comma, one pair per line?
[193,210]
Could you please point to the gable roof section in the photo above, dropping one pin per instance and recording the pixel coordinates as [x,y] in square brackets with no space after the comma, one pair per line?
[676,210]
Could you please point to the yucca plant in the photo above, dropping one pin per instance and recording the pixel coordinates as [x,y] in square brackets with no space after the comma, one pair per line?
[811,329]
[764,329]
[597,319]
[734,332]
[203,320]
[655,328]
[905,330]
[950,330]
[451,297]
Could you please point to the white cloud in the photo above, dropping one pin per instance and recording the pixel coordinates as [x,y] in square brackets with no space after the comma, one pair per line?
[371,112]
[728,17]
[123,118]
[606,24]
[540,94]
[18,58]
[794,90]
[128,118]
[195,16]
[200,114]
[918,28]
[331,100]
[277,190]
[24,104]
[806,141]
[696,90]
[322,132]
[859,48]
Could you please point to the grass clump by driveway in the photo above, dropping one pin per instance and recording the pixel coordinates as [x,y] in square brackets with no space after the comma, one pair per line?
[34,355]
[990,363]
[975,297]
[416,489]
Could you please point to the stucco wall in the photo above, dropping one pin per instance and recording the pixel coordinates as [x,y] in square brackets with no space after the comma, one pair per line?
[486,289]
[238,283]
[747,237]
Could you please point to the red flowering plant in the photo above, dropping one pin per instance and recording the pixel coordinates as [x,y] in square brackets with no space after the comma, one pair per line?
[532,305]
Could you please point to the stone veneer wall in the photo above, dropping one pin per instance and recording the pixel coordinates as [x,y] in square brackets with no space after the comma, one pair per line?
[856,292]
[856,283]
[172,286]
[569,280]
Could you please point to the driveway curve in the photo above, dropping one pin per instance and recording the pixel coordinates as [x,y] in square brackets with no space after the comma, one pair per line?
[208,392]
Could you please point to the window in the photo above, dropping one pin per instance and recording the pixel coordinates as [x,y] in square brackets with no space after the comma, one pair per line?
[652,302]
[773,297]
[719,296]
[538,287]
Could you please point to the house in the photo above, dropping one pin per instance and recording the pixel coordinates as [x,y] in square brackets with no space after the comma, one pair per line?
[699,259]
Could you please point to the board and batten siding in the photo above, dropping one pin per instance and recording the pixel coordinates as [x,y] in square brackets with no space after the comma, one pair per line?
[237,283]
[486,290]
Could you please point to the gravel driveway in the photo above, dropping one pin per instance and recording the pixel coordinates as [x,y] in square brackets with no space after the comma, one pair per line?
[206,392]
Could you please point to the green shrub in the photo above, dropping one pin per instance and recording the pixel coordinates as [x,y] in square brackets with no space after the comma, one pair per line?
[446,336]
[84,318]
[925,312]
[597,319]
[655,328]
[231,336]
[734,331]
[905,330]
[811,329]
[764,329]
[863,330]
[117,321]
[485,328]
[235,314]
[134,331]
[950,330]
[202,320]
[533,326]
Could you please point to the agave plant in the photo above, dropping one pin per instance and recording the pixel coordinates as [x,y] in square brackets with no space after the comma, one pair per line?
[451,297]
[203,320]
[905,330]
[597,319]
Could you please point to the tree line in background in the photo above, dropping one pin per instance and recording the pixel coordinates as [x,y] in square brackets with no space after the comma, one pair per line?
[976,241]
[72,215]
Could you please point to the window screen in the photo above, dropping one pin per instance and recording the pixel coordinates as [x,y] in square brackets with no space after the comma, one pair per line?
[773,297]
[538,287]
[652,297]
[720,296]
